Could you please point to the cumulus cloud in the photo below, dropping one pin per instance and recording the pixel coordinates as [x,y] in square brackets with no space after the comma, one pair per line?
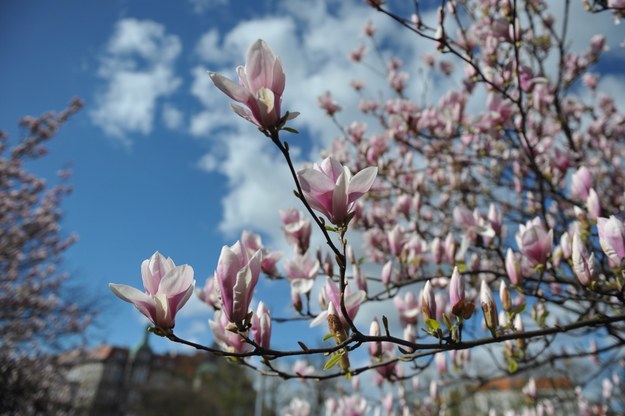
[313,65]
[138,68]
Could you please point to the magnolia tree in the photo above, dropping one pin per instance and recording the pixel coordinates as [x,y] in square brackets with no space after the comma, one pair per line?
[35,312]
[494,234]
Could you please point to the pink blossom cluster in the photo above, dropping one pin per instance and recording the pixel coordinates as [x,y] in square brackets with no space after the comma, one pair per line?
[491,231]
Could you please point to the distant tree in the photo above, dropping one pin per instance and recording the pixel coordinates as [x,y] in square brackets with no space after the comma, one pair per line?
[219,389]
[35,310]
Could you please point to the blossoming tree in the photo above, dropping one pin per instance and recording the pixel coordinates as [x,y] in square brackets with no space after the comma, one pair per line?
[520,198]
[36,315]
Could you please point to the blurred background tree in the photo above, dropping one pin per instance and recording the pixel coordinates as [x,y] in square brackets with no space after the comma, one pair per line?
[37,311]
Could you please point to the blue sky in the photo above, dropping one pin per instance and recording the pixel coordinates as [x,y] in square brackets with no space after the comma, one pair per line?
[160,162]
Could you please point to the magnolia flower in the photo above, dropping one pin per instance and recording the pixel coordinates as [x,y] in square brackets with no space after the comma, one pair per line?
[331,294]
[302,368]
[388,370]
[593,205]
[456,289]
[612,238]
[237,274]
[396,240]
[297,407]
[229,341]
[331,189]
[375,348]
[581,182]
[261,325]
[252,243]
[530,389]
[428,302]
[513,268]
[387,273]
[504,296]
[353,405]
[301,272]
[210,293]
[260,88]
[440,361]
[296,229]
[583,264]
[408,308]
[167,289]
[534,241]
[359,278]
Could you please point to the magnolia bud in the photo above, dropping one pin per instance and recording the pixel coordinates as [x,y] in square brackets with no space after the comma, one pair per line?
[488,307]
[504,295]
[428,302]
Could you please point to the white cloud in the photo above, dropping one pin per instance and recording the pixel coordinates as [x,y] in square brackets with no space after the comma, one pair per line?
[313,63]
[138,69]
[172,116]
[259,184]
[207,48]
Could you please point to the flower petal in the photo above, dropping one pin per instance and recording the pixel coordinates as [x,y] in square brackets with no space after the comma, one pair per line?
[142,301]
[177,281]
[259,66]
[230,88]
[361,183]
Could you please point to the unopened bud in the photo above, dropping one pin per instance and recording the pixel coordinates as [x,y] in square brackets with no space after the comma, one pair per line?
[504,295]
[488,307]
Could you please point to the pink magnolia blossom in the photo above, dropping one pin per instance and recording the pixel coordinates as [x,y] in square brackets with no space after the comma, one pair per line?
[565,244]
[297,407]
[331,189]
[386,275]
[210,293]
[261,325]
[331,293]
[388,370]
[229,341]
[237,274]
[354,405]
[581,182]
[583,264]
[530,388]
[408,308]
[513,268]
[303,368]
[495,217]
[167,288]
[359,278]
[440,361]
[437,250]
[252,243]
[260,88]
[396,240]
[534,241]
[327,103]
[375,348]
[593,205]
[612,238]
[296,229]
[456,288]
[301,271]
[504,296]
[449,248]
[428,302]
